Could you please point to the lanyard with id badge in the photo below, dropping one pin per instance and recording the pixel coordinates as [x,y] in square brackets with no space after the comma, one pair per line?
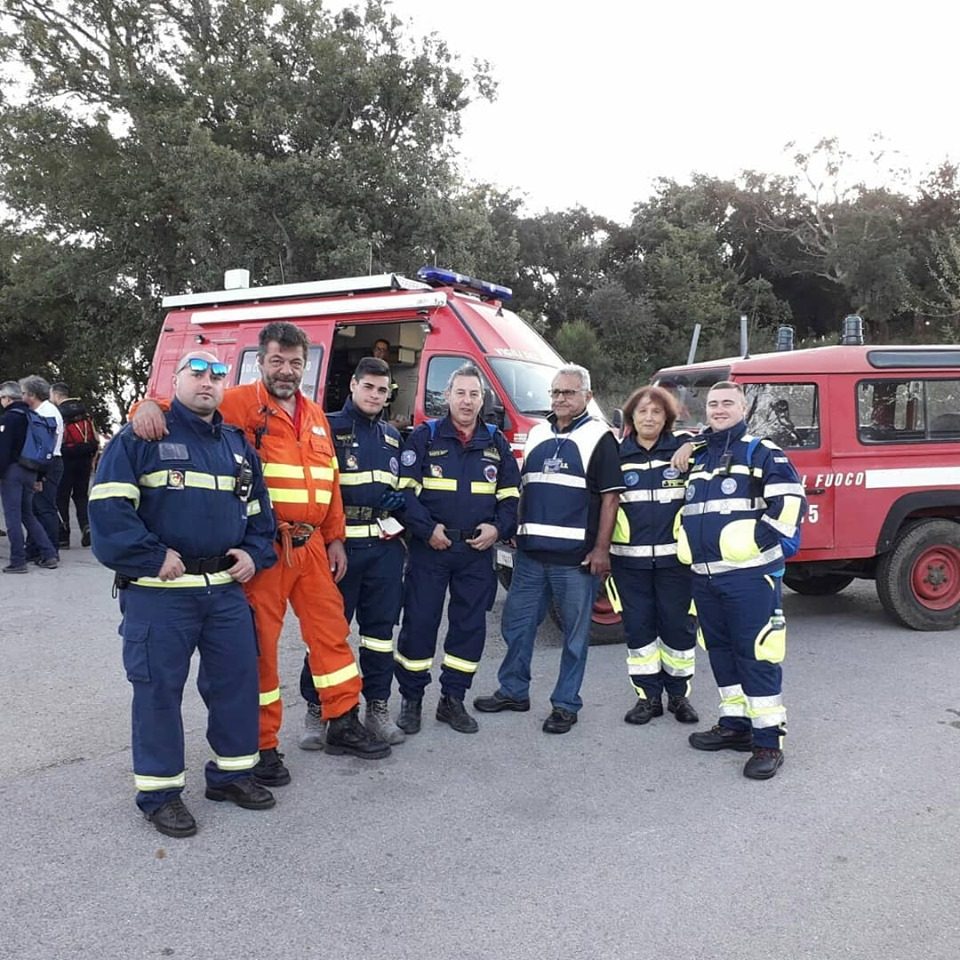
[554,464]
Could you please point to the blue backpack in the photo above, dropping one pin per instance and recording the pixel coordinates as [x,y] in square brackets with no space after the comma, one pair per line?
[789,545]
[40,441]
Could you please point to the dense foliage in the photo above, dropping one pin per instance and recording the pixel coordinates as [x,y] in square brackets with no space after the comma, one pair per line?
[149,145]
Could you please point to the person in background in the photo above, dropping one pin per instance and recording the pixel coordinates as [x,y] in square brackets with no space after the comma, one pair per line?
[81,443]
[653,586]
[36,394]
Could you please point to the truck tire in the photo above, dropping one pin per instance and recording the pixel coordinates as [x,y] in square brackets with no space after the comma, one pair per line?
[918,581]
[824,585]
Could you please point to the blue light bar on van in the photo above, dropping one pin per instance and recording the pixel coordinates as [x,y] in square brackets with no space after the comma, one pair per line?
[448,278]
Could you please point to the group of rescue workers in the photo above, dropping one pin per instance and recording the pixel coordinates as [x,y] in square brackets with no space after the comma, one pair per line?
[218,509]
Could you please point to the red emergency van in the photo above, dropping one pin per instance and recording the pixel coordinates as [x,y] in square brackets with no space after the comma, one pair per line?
[874,432]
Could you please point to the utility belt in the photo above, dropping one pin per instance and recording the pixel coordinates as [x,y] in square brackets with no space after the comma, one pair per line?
[195,566]
[297,534]
[454,536]
[365,514]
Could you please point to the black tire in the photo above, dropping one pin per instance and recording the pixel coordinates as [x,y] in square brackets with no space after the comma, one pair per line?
[824,585]
[918,581]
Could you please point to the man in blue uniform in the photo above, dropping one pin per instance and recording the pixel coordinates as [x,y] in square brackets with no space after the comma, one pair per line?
[184,522]
[461,486]
[653,585]
[743,500]
[368,451]
[571,489]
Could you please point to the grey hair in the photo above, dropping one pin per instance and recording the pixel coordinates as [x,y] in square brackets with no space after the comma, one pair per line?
[35,386]
[575,370]
[467,370]
[11,390]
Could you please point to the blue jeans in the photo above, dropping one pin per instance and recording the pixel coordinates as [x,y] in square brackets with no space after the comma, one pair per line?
[17,495]
[573,590]
[45,508]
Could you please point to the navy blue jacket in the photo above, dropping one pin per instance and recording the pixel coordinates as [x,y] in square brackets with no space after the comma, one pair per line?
[13,431]
[178,493]
[456,485]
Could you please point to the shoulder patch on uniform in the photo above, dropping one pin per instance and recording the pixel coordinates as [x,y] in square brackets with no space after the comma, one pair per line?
[408,458]
[631,478]
[492,453]
[393,441]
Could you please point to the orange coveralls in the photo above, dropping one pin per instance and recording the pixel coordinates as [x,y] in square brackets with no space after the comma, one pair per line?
[302,476]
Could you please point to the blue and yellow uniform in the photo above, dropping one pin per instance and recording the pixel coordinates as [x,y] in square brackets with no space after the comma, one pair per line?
[459,485]
[368,451]
[743,498]
[200,492]
[654,586]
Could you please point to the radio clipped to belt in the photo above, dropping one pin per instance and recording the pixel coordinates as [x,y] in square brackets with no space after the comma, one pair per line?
[244,480]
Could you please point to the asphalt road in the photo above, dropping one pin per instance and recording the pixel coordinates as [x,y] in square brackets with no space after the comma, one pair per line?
[609,842]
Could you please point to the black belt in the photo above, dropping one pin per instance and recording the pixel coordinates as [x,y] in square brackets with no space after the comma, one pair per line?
[455,535]
[197,565]
[365,513]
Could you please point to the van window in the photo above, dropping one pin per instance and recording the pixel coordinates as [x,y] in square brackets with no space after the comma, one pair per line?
[527,384]
[690,387]
[438,373]
[904,411]
[249,372]
[786,413]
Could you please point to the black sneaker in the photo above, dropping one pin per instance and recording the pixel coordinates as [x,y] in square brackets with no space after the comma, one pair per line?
[347,735]
[452,711]
[85,537]
[270,771]
[173,819]
[722,738]
[498,701]
[644,710]
[246,793]
[682,709]
[559,721]
[764,763]
[409,719]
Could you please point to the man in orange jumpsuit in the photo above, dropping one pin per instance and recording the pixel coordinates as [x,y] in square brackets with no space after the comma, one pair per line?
[293,440]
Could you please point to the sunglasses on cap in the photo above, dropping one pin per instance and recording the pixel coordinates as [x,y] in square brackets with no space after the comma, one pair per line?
[198,365]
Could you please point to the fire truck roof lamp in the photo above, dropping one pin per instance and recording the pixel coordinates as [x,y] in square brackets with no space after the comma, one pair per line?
[439,277]
[852,330]
[784,337]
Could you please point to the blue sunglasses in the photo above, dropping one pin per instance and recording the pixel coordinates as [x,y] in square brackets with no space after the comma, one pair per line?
[198,365]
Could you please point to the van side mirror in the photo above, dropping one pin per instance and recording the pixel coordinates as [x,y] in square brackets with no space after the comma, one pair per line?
[493,411]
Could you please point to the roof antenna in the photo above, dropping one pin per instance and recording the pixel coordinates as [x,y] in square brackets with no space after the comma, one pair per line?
[280,261]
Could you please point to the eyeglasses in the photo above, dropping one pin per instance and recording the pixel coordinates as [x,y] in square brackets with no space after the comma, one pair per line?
[198,365]
[565,394]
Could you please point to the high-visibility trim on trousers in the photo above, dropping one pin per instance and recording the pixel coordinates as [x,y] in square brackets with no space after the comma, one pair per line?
[645,660]
[458,663]
[178,781]
[417,666]
[338,676]
[376,644]
[237,763]
[733,703]
[678,663]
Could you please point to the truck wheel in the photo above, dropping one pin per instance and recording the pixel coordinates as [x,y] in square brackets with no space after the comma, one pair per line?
[607,626]
[918,581]
[825,585]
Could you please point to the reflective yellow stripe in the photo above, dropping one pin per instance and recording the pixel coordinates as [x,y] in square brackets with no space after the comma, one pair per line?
[322,473]
[147,784]
[678,663]
[408,483]
[367,476]
[440,483]
[363,530]
[733,703]
[379,646]
[482,486]
[269,696]
[253,508]
[416,666]
[325,680]
[643,660]
[282,495]
[237,763]
[283,471]
[505,493]
[456,663]
[187,580]
[127,491]
[334,463]
[191,478]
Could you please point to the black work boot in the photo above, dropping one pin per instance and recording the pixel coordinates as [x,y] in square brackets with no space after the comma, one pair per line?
[682,709]
[270,771]
[173,819]
[246,793]
[347,735]
[498,702]
[409,720]
[722,738]
[764,763]
[644,710]
[451,710]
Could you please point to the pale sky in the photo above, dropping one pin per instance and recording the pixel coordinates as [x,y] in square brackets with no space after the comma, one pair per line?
[597,99]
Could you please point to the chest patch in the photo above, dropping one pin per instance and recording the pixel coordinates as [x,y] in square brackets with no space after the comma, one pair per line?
[671,473]
[631,478]
[492,453]
[173,451]
[175,480]
[728,485]
[439,453]
[490,472]
[436,470]
[394,466]
[393,441]
[351,462]
[408,458]
[691,492]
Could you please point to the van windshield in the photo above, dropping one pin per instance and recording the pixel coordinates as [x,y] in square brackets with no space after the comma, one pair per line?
[691,387]
[527,384]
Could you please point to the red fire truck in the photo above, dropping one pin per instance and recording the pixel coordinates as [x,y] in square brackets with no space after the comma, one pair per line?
[874,432]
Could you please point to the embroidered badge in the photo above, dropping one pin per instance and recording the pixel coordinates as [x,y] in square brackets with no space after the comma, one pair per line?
[671,473]
[394,466]
[319,431]
[408,458]
[173,451]
[631,478]
[351,462]
[691,492]
[439,453]
[174,480]
[728,485]
[436,470]
[490,472]
[491,453]
[393,441]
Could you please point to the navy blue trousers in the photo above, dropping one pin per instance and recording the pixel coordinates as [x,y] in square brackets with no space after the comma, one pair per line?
[745,637]
[469,576]
[372,589]
[161,628]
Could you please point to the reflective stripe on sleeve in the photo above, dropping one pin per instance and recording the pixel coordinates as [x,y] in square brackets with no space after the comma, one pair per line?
[126,491]
[408,483]
[483,487]
[325,680]
[505,493]
[269,696]
[723,471]
[783,490]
